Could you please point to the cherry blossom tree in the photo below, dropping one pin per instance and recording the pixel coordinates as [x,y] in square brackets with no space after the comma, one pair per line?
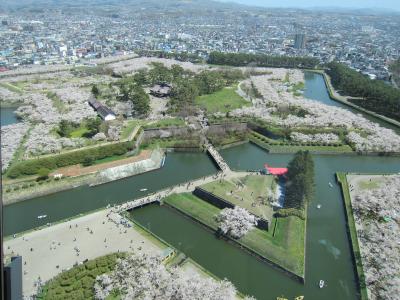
[144,276]
[236,222]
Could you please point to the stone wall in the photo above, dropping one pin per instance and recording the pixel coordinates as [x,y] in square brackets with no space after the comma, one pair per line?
[119,172]
[227,127]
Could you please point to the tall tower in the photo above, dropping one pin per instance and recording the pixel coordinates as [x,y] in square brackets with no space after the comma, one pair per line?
[300,41]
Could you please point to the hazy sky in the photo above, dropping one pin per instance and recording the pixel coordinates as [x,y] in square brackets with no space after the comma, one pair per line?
[388,4]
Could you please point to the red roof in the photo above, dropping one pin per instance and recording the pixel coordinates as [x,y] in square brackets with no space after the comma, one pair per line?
[275,171]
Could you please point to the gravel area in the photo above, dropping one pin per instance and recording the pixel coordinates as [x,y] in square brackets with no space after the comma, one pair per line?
[48,251]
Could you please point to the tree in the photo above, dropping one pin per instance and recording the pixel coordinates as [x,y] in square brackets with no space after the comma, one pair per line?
[93,127]
[142,276]
[235,222]
[183,95]
[95,90]
[66,127]
[300,180]
[43,173]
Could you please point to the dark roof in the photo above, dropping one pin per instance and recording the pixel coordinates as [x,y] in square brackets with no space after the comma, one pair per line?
[101,109]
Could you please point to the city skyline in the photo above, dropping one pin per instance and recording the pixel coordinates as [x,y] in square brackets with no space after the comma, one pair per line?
[350,4]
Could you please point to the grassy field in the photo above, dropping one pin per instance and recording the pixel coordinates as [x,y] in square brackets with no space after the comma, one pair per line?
[129,127]
[221,101]
[353,234]
[77,283]
[244,192]
[79,132]
[199,209]
[165,123]
[11,87]
[285,248]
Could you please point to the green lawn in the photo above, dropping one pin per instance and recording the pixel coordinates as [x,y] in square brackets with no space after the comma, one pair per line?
[165,123]
[11,87]
[129,127]
[244,192]
[222,101]
[353,233]
[199,209]
[79,132]
[286,248]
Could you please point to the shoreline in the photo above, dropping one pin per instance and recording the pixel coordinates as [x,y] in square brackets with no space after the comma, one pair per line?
[341,178]
[343,99]
[240,245]
[92,179]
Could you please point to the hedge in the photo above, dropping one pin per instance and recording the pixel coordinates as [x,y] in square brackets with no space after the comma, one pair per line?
[78,282]
[31,167]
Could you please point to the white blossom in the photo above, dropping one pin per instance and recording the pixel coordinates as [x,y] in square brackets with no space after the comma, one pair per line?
[11,137]
[325,138]
[143,276]
[377,217]
[236,222]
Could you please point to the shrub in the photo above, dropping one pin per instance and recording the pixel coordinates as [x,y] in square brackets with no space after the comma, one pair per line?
[43,173]
[286,212]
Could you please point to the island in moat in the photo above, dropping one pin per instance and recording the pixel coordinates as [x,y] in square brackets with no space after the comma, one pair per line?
[85,128]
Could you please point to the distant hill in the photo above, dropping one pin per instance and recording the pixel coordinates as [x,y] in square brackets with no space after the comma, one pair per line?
[148,4]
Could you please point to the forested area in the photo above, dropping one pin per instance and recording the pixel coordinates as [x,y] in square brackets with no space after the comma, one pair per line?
[377,95]
[261,60]
[300,180]
[395,69]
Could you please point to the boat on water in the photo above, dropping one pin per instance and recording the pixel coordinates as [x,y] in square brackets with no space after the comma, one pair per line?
[319,206]
[281,298]
[163,162]
[143,190]
[299,298]
[330,184]
[321,284]
[42,216]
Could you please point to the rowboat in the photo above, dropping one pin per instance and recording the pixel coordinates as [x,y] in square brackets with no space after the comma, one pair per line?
[321,284]
[143,190]
[42,216]
[330,184]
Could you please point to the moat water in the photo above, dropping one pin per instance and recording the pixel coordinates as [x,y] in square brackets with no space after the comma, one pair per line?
[327,248]
[8,116]
[328,255]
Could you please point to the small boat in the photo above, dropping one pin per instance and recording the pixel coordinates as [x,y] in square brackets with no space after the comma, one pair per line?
[330,184]
[163,162]
[143,190]
[319,206]
[321,284]
[299,298]
[42,216]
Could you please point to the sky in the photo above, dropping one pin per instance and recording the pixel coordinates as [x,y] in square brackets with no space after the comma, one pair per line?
[384,4]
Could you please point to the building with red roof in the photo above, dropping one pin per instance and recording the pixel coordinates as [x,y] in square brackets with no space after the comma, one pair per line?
[275,171]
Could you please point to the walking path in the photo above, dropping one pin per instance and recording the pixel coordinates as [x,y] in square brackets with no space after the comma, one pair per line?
[186,187]
[217,157]
[49,251]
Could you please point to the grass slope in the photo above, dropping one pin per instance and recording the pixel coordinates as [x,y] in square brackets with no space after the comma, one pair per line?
[285,248]
[255,189]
